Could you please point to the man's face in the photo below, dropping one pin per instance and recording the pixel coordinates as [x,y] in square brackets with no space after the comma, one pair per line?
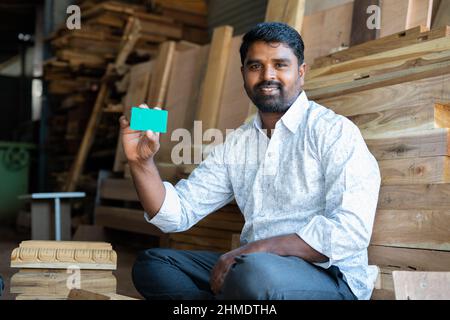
[272,76]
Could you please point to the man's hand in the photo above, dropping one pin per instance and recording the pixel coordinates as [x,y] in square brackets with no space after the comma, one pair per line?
[223,265]
[139,146]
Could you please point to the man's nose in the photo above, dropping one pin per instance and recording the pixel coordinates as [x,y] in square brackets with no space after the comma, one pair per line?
[269,73]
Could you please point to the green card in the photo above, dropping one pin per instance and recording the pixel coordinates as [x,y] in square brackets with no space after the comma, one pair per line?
[149,119]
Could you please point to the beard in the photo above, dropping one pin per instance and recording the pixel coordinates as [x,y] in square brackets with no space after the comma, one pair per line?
[270,97]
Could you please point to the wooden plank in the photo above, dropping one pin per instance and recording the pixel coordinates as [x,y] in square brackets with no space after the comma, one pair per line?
[82,245]
[130,36]
[290,12]
[221,225]
[118,189]
[416,196]
[395,41]
[215,75]
[234,103]
[379,61]
[442,17]
[426,229]
[326,31]
[125,219]
[399,15]
[202,241]
[411,94]
[82,294]
[360,32]
[159,81]
[427,143]
[412,285]
[415,171]
[403,121]
[191,6]
[51,258]
[188,70]
[208,232]
[424,68]
[47,282]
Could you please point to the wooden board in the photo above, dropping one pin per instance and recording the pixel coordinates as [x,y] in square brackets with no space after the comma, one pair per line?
[290,12]
[433,65]
[399,15]
[81,294]
[49,282]
[443,14]
[214,78]
[415,171]
[159,81]
[427,143]
[379,61]
[91,245]
[118,189]
[125,219]
[426,229]
[183,94]
[401,122]
[326,31]
[407,94]
[234,103]
[416,196]
[360,32]
[224,244]
[412,285]
[61,258]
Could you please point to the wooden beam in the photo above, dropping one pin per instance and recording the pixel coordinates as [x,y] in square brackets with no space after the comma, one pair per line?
[215,74]
[413,285]
[415,196]
[415,171]
[360,32]
[402,121]
[159,82]
[118,189]
[290,12]
[425,229]
[442,17]
[427,143]
[398,40]
[411,94]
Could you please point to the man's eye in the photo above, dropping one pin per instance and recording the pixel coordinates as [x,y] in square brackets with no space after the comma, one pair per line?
[281,65]
[254,67]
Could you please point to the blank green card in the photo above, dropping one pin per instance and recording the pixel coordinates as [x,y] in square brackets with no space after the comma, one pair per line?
[149,119]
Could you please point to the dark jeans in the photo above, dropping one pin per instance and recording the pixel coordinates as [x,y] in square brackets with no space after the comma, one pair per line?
[184,275]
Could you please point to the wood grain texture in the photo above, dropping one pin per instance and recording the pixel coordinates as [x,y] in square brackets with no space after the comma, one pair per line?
[401,122]
[214,78]
[425,229]
[415,196]
[290,12]
[183,95]
[415,171]
[425,143]
[118,189]
[413,285]
[407,94]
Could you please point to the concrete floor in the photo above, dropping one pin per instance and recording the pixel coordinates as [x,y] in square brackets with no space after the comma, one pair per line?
[126,253]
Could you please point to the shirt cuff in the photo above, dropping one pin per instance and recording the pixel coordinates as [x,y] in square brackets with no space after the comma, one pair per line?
[168,217]
[310,236]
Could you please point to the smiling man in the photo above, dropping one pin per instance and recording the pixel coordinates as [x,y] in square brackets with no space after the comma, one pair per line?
[308,199]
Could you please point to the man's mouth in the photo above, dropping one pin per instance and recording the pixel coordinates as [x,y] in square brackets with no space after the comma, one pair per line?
[269,89]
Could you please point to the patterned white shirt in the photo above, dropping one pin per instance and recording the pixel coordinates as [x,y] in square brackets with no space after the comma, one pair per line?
[314,177]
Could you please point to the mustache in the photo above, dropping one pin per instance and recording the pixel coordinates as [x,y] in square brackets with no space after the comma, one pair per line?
[269,84]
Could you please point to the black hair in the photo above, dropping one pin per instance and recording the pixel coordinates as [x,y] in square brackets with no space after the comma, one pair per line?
[270,32]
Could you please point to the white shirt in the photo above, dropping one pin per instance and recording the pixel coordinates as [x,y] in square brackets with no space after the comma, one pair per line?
[314,177]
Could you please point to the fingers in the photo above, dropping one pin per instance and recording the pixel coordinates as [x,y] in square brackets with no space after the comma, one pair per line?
[151,135]
[124,123]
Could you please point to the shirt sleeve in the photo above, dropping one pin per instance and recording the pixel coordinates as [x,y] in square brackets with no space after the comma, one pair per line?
[352,183]
[207,189]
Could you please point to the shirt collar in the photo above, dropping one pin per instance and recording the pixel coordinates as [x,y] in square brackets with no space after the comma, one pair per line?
[292,118]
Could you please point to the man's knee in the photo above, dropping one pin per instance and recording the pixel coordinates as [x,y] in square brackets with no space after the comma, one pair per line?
[251,277]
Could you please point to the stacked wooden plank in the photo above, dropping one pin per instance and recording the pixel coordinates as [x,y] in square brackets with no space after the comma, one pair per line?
[395,89]
[49,270]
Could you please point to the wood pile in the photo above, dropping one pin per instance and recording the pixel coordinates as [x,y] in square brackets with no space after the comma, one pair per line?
[51,269]
[396,90]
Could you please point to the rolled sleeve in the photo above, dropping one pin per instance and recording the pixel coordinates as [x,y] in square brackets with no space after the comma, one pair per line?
[169,216]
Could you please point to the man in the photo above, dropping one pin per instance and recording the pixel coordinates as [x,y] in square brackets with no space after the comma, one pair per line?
[308,197]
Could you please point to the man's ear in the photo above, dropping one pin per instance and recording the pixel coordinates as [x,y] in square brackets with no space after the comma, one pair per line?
[302,73]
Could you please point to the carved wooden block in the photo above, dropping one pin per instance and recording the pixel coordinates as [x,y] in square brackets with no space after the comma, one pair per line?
[64,254]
